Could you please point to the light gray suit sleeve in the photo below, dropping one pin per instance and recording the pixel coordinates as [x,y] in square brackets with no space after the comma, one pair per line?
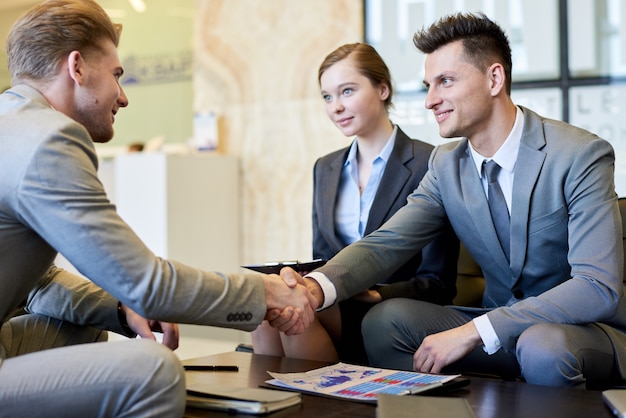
[62,200]
[68,297]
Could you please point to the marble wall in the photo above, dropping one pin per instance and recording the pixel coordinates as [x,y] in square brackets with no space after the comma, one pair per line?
[257,63]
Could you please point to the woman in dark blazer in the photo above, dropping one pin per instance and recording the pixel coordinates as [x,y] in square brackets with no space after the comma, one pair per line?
[356,189]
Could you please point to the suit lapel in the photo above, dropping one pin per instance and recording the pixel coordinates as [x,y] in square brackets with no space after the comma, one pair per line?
[394,178]
[478,207]
[328,186]
[527,168]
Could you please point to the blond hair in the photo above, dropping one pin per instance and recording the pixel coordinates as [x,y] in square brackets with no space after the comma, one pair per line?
[41,39]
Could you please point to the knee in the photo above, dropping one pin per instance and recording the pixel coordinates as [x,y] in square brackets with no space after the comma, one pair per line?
[386,336]
[546,357]
[383,316]
[167,368]
[164,384]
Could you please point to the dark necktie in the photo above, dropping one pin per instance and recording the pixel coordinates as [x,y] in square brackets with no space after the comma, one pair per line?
[497,205]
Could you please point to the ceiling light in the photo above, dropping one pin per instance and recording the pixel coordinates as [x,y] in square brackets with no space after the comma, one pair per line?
[138,5]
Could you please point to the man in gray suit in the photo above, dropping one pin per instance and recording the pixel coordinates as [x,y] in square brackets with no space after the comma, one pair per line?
[554,309]
[65,94]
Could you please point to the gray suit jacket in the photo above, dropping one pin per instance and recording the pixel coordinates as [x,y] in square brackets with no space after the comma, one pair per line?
[429,274]
[52,201]
[566,251]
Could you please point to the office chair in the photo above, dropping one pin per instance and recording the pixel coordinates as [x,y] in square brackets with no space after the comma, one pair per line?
[470,283]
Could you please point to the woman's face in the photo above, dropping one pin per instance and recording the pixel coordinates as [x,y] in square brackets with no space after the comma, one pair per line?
[352,102]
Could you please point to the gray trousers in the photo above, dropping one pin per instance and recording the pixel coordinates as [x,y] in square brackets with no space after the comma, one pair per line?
[545,354]
[56,369]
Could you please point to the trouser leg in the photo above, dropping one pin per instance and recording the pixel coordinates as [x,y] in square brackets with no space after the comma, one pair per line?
[566,355]
[394,329]
[133,378]
[31,333]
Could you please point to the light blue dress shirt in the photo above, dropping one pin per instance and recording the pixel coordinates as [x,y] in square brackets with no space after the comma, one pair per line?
[353,208]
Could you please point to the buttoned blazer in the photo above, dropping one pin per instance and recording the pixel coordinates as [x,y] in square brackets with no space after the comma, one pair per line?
[433,270]
[566,250]
[52,201]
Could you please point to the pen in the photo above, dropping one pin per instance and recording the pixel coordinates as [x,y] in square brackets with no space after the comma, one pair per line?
[210,368]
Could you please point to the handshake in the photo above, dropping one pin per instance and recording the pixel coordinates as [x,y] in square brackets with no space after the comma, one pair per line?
[291,300]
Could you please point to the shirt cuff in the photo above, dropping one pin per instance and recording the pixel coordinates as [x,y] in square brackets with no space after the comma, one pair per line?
[328,288]
[491,342]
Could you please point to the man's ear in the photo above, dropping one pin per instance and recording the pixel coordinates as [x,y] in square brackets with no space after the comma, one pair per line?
[497,78]
[76,67]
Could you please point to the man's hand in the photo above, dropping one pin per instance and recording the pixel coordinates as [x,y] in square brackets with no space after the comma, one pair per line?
[285,320]
[145,327]
[439,350]
[293,278]
[289,320]
[290,305]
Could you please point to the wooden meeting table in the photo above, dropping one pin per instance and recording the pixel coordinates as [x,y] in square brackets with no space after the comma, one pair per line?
[488,398]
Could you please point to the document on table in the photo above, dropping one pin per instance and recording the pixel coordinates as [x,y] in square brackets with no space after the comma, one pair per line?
[358,383]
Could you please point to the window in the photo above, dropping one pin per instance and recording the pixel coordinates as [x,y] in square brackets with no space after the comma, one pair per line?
[569,60]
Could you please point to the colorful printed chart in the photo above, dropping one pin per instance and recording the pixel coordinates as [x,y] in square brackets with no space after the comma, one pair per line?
[358,383]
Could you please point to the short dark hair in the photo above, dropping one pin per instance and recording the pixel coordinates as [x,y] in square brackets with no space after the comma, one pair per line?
[484,41]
